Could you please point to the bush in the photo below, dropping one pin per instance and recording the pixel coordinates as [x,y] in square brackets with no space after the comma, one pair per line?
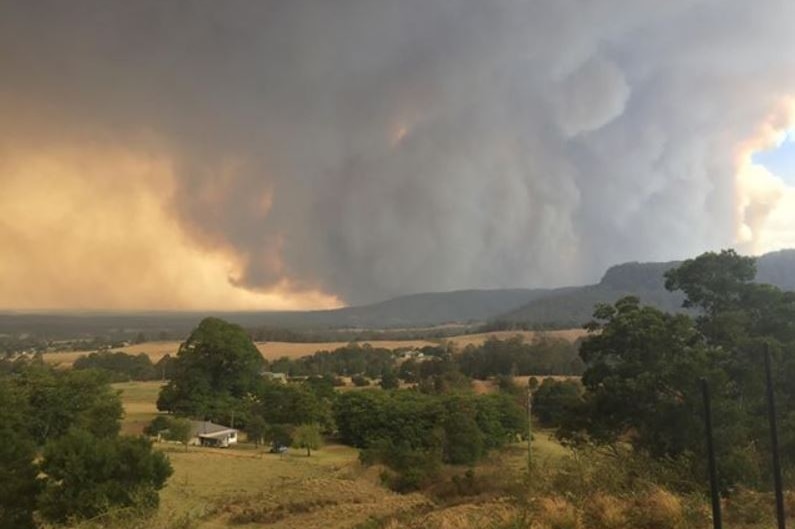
[659,509]
[389,380]
[87,476]
[120,366]
[360,381]
[553,399]
[603,511]
[558,513]
[747,507]
[158,425]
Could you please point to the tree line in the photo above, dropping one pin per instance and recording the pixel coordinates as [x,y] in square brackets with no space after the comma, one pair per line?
[124,367]
[413,433]
[412,430]
[512,356]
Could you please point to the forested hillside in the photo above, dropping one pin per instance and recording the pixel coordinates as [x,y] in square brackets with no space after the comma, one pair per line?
[573,307]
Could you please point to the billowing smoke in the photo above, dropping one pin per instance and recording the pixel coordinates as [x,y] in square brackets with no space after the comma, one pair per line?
[367,148]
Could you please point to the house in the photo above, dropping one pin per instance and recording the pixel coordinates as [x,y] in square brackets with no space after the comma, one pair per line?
[274,377]
[206,433]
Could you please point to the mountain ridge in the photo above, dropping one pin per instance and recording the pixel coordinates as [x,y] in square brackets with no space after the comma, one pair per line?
[539,307]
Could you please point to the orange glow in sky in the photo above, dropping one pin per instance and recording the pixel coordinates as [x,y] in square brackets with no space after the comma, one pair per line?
[93,230]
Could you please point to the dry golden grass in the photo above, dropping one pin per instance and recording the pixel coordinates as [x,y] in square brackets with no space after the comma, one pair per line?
[476,515]
[63,359]
[462,341]
[139,402]
[482,387]
[603,511]
[659,509]
[210,486]
[246,486]
[558,513]
[327,490]
[154,350]
[275,350]
[269,350]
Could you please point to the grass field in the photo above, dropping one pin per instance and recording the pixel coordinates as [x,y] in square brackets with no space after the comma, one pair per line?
[327,490]
[139,401]
[154,350]
[248,487]
[477,339]
[213,487]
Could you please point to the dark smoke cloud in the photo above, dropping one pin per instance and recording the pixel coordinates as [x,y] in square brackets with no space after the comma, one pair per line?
[372,148]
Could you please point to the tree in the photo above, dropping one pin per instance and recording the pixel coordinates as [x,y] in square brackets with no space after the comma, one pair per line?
[179,430]
[60,400]
[642,376]
[713,282]
[85,475]
[255,429]
[554,399]
[360,381]
[741,318]
[158,425]
[389,380]
[463,438]
[120,367]
[18,483]
[291,404]
[642,384]
[308,436]
[279,435]
[218,359]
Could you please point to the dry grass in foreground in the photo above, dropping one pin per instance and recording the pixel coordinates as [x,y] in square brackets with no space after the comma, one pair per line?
[249,488]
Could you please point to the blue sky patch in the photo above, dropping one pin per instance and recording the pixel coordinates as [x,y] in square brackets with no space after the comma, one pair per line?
[780,160]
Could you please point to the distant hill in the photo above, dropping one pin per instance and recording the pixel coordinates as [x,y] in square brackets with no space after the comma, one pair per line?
[561,307]
[415,310]
[574,306]
[436,308]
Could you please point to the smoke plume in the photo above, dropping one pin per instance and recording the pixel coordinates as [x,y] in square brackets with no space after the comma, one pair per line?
[305,152]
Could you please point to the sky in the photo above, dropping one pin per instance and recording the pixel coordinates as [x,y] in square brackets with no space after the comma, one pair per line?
[780,158]
[258,154]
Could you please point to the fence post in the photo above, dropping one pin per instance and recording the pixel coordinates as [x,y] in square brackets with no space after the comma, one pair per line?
[717,521]
[771,412]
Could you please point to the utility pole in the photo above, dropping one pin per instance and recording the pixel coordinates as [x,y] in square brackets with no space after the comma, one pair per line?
[529,429]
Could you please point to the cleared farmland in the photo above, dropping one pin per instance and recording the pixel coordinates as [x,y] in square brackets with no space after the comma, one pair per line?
[247,486]
[463,340]
[274,350]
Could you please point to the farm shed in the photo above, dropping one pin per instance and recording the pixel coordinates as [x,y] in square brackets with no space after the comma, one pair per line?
[206,433]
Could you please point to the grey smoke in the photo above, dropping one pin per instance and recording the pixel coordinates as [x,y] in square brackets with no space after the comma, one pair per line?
[544,140]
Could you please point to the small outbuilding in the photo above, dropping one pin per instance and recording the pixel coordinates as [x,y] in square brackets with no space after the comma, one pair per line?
[206,433]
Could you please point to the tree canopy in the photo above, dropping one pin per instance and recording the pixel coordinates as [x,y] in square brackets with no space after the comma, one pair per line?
[62,453]
[643,367]
[18,483]
[85,475]
[218,361]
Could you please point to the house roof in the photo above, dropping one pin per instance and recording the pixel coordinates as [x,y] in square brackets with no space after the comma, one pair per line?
[218,435]
[205,428]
